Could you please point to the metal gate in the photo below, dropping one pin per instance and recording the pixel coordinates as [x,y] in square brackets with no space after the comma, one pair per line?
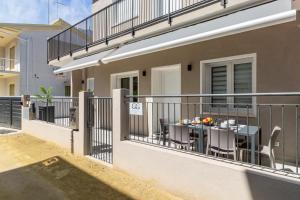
[10,112]
[100,128]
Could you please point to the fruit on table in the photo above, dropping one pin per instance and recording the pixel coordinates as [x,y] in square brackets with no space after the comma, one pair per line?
[207,120]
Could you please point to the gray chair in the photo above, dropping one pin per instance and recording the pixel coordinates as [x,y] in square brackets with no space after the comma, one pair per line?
[269,150]
[164,130]
[221,141]
[180,135]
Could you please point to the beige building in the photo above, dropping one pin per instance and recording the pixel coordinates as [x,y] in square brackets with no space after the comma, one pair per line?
[153,47]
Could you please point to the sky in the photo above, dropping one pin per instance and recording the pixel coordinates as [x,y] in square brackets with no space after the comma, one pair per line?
[36,11]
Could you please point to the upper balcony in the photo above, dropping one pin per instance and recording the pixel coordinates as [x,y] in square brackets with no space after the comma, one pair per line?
[127,17]
[126,20]
[8,67]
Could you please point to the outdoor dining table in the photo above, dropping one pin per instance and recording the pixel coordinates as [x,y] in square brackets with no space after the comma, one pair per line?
[240,129]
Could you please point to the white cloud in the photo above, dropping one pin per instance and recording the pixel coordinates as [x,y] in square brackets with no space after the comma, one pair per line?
[36,11]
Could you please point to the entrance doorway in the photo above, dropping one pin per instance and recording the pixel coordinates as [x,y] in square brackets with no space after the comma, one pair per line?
[165,81]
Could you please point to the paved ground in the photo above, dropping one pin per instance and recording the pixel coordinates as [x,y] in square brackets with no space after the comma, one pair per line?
[32,169]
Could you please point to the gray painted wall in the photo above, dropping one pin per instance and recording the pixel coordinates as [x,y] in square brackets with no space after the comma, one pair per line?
[39,72]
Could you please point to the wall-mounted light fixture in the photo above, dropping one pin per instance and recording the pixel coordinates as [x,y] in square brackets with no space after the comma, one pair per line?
[189,67]
[144,73]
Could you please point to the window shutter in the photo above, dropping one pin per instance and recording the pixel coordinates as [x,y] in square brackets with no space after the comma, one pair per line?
[243,83]
[218,84]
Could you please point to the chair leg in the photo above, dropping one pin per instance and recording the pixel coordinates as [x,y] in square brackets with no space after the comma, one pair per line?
[241,155]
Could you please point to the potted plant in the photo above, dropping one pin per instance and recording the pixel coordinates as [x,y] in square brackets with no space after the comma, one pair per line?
[46,113]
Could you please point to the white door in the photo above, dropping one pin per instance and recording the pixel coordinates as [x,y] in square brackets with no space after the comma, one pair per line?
[165,81]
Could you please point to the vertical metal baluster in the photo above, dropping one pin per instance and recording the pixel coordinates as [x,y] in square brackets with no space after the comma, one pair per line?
[143,123]
[188,117]
[283,139]
[168,123]
[173,125]
[297,162]
[237,127]
[248,135]
[106,129]
[157,120]
[147,120]
[181,126]
[270,118]
[228,131]
[219,132]
[259,135]
[202,130]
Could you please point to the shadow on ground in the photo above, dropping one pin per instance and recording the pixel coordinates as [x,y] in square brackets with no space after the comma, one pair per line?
[54,178]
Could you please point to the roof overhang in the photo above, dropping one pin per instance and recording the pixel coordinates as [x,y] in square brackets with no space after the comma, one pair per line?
[195,34]
[85,62]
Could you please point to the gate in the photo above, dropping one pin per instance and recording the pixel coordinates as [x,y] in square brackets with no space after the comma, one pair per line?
[10,112]
[100,128]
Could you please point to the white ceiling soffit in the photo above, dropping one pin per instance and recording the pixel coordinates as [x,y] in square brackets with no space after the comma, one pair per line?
[84,62]
[224,26]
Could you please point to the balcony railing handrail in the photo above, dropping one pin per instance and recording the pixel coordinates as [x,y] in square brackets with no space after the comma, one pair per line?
[218,95]
[8,59]
[106,15]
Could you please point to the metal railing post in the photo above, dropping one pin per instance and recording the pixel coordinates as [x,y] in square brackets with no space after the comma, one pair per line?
[86,34]
[58,51]
[132,17]
[106,27]
[70,45]
[224,3]
[169,12]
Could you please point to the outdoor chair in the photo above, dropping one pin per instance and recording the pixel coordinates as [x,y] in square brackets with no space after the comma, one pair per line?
[164,129]
[222,142]
[180,135]
[269,149]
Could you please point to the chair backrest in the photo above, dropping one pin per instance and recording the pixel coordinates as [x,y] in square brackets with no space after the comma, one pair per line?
[179,134]
[221,138]
[274,136]
[163,124]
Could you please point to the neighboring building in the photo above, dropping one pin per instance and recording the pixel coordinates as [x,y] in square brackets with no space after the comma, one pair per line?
[23,65]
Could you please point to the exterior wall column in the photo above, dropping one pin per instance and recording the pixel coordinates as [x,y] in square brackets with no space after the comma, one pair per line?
[81,137]
[120,120]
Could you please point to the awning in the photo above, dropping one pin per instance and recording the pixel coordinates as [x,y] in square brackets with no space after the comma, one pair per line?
[251,19]
[84,62]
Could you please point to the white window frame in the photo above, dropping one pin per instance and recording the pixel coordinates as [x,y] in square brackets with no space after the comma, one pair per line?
[115,80]
[229,62]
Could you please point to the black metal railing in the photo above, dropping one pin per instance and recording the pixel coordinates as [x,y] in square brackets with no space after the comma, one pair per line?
[120,18]
[100,128]
[263,132]
[56,111]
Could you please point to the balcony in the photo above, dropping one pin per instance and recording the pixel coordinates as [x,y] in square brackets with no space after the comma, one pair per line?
[8,66]
[121,18]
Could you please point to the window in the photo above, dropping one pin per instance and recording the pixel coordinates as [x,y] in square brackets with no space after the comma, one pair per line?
[67,91]
[127,80]
[125,10]
[229,76]
[12,57]
[90,85]
[11,89]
